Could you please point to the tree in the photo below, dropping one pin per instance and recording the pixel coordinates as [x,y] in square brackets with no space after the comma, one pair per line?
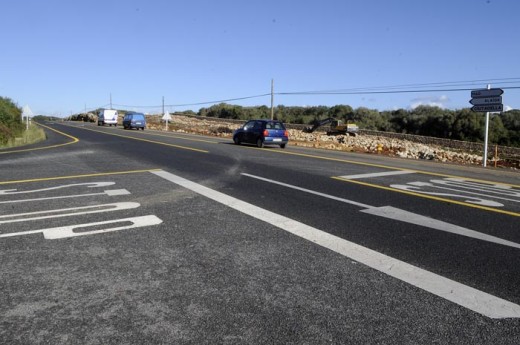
[369,119]
[10,119]
[468,125]
[511,122]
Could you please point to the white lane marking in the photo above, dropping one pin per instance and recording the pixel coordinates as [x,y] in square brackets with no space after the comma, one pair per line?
[379,174]
[417,219]
[351,202]
[117,192]
[68,231]
[415,187]
[110,192]
[461,188]
[67,212]
[465,296]
[402,216]
[495,188]
[86,184]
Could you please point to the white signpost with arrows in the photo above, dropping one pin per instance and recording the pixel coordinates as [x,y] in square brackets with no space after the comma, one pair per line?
[487,100]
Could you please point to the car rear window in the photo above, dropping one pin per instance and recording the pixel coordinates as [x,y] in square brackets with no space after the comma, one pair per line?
[274,125]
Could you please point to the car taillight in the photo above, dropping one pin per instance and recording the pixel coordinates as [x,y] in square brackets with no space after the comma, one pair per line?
[266,133]
[286,134]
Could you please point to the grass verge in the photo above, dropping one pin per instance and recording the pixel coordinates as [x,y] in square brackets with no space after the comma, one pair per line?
[33,135]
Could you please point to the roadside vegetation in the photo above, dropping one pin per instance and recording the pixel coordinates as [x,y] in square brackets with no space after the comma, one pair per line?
[430,121]
[12,130]
[463,124]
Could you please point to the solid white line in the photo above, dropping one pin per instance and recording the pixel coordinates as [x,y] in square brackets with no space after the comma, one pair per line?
[465,296]
[386,173]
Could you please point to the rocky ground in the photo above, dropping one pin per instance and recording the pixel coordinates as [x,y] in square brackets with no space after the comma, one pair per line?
[359,143]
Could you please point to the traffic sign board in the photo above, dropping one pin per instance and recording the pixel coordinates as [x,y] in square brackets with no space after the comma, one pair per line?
[489,107]
[486,93]
[486,100]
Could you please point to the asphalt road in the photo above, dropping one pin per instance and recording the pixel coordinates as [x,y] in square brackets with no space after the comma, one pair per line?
[109,236]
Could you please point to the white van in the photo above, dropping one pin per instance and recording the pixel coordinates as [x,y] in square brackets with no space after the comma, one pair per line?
[107,116]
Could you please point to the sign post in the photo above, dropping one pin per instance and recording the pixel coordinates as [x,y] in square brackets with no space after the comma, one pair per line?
[27,113]
[487,100]
[166,117]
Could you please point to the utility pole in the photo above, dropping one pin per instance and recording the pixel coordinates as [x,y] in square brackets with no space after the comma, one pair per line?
[272,99]
[111,100]
[163,105]
[486,135]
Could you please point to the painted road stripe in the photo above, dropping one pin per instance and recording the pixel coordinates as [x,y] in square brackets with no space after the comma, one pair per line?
[465,296]
[74,140]
[145,140]
[75,176]
[431,197]
[379,174]
[67,212]
[110,192]
[402,216]
[68,231]
[87,184]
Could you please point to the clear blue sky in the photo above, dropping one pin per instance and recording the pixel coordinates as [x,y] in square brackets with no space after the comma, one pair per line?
[60,56]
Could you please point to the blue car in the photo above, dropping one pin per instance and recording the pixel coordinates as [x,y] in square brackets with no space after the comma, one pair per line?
[134,120]
[262,132]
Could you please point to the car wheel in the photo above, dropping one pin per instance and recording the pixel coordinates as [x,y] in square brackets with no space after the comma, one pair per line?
[282,146]
[260,143]
[236,140]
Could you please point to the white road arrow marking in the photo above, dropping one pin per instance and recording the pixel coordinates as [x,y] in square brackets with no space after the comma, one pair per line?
[402,216]
[417,219]
[463,295]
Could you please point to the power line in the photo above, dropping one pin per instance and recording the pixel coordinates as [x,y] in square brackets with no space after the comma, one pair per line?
[380,92]
[448,86]
[189,104]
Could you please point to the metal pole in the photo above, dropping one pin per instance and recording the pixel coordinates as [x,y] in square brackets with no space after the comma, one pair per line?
[272,99]
[486,135]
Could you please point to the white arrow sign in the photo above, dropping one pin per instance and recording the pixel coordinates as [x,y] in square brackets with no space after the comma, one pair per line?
[486,100]
[488,108]
[486,93]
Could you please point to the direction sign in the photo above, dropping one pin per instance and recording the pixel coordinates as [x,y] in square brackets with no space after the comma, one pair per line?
[488,108]
[486,93]
[486,100]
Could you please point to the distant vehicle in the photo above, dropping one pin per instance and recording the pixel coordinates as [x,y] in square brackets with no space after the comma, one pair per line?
[107,117]
[134,120]
[262,132]
[336,127]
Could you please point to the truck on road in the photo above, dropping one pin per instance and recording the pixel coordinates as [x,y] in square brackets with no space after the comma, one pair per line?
[107,116]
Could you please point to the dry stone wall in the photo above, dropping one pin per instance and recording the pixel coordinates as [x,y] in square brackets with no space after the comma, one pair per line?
[365,142]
